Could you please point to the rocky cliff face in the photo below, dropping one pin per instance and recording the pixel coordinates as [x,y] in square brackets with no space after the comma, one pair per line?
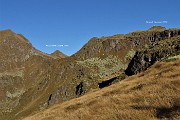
[31,80]
[147,57]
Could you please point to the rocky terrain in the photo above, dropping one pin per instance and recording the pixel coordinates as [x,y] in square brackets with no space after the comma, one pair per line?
[31,81]
[150,95]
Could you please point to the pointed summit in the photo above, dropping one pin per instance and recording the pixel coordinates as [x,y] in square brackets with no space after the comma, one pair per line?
[6,33]
[58,54]
[9,34]
[157,28]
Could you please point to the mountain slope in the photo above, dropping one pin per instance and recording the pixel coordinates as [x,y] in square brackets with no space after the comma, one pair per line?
[21,67]
[31,81]
[153,94]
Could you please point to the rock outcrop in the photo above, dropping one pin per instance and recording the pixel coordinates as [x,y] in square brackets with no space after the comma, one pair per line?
[145,58]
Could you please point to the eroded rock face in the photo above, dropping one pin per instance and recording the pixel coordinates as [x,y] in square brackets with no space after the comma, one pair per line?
[145,58]
[80,89]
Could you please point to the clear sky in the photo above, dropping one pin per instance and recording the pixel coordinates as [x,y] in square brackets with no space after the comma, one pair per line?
[74,22]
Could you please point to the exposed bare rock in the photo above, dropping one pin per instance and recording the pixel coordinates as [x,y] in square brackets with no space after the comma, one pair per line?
[145,58]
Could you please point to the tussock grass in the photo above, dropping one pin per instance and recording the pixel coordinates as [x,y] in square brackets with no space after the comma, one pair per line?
[153,94]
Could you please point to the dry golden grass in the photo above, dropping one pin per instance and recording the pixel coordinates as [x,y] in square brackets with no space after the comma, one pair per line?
[153,94]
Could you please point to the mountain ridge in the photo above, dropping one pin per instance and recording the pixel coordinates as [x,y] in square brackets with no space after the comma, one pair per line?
[41,80]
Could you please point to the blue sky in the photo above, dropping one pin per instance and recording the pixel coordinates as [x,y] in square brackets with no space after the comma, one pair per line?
[74,22]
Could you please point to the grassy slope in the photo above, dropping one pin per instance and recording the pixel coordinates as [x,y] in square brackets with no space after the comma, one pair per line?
[152,94]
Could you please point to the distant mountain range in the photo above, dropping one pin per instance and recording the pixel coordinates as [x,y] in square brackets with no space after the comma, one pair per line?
[32,81]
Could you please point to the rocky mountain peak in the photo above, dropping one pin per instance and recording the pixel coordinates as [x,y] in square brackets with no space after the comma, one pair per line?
[5,33]
[58,54]
[157,28]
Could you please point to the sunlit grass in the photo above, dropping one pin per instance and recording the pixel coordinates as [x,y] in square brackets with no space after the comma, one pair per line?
[153,94]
